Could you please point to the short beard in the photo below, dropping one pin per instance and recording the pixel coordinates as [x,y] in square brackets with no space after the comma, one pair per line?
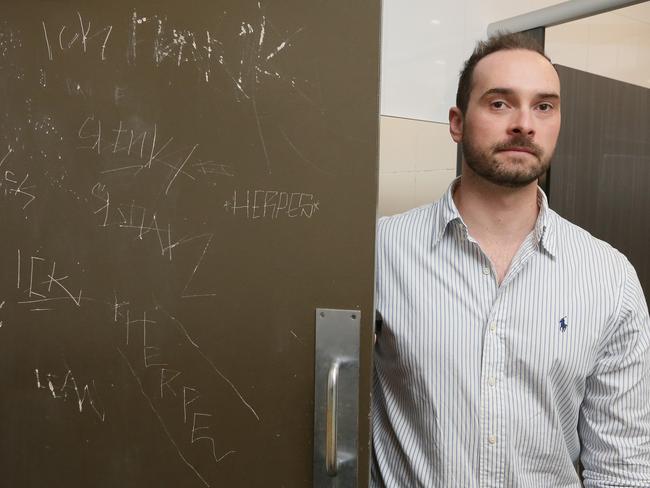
[486,165]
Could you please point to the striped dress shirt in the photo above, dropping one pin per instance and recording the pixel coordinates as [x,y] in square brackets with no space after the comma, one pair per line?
[485,385]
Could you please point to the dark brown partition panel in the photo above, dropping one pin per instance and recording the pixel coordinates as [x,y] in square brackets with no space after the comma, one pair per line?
[600,175]
[182,185]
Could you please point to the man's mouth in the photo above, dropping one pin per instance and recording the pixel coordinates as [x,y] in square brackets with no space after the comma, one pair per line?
[518,149]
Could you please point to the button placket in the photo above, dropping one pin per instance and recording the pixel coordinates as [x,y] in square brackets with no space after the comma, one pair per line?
[491,372]
[489,393]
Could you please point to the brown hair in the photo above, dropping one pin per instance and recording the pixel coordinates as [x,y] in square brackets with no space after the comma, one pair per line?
[498,42]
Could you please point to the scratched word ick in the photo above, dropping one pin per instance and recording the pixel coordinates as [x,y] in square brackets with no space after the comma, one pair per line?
[43,285]
[272,204]
[78,35]
[15,184]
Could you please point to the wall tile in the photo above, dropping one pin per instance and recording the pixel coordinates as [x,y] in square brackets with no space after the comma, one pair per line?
[616,45]
[431,185]
[396,193]
[397,145]
[568,44]
[434,149]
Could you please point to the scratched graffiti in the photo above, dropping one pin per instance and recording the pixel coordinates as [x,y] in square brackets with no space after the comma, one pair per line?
[76,35]
[10,39]
[153,38]
[172,384]
[272,204]
[171,44]
[15,184]
[143,150]
[156,38]
[41,283]
[65,387]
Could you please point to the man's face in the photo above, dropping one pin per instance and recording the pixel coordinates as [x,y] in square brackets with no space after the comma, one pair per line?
[512,120]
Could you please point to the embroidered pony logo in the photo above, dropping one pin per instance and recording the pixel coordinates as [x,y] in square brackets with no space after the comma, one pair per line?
[563,324]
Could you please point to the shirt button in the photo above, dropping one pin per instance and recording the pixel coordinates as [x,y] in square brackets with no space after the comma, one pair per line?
[493,326]
[492,439]
[492,381]
[486,270]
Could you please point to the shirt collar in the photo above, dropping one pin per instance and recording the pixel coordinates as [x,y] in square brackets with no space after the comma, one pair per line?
[448,213]
[544,233]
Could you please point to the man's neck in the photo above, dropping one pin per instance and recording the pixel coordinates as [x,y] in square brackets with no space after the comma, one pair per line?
[498,218]
[495,213]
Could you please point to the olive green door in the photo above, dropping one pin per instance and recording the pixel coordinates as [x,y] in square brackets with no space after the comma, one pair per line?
[182,185]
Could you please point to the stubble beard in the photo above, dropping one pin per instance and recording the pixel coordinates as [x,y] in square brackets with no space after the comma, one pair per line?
[506,170]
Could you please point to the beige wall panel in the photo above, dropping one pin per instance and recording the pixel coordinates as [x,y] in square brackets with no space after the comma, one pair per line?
[431,185]
[396,193]
[417,161]
[615,44]
[397,145]
[415,145]
[435,150]
[568,44]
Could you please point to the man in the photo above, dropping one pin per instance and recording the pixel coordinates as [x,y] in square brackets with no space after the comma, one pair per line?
[514,344]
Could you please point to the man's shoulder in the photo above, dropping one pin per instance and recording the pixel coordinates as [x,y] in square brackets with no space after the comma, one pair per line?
[573,239]
[407,228]
[409,221]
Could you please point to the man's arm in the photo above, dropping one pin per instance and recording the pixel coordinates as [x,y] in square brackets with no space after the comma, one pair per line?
[614,423]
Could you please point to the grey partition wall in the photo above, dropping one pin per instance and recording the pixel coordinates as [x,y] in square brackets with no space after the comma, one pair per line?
[601,169]
[182,185]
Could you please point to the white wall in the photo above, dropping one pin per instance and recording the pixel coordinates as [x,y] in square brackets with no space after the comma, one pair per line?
[424,44]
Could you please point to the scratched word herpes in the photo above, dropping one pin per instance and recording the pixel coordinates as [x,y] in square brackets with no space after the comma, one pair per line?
[272,204]
[172,385]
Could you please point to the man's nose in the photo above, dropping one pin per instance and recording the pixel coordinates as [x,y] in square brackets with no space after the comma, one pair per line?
[522,124]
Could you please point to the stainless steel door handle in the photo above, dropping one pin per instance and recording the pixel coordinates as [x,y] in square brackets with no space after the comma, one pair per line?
[336,398]
[331,460]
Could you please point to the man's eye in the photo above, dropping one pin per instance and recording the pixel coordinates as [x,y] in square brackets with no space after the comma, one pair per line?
[545,107]
[498,104]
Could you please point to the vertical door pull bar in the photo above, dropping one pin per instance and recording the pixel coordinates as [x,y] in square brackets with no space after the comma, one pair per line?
[336,398]
[331,456]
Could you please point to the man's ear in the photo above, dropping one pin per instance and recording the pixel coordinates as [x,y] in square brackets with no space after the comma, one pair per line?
[456,124]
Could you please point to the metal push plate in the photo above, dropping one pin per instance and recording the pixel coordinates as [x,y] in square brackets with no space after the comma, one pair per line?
[336,407]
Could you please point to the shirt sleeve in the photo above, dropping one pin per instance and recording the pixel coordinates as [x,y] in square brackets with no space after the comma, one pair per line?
[614,423]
